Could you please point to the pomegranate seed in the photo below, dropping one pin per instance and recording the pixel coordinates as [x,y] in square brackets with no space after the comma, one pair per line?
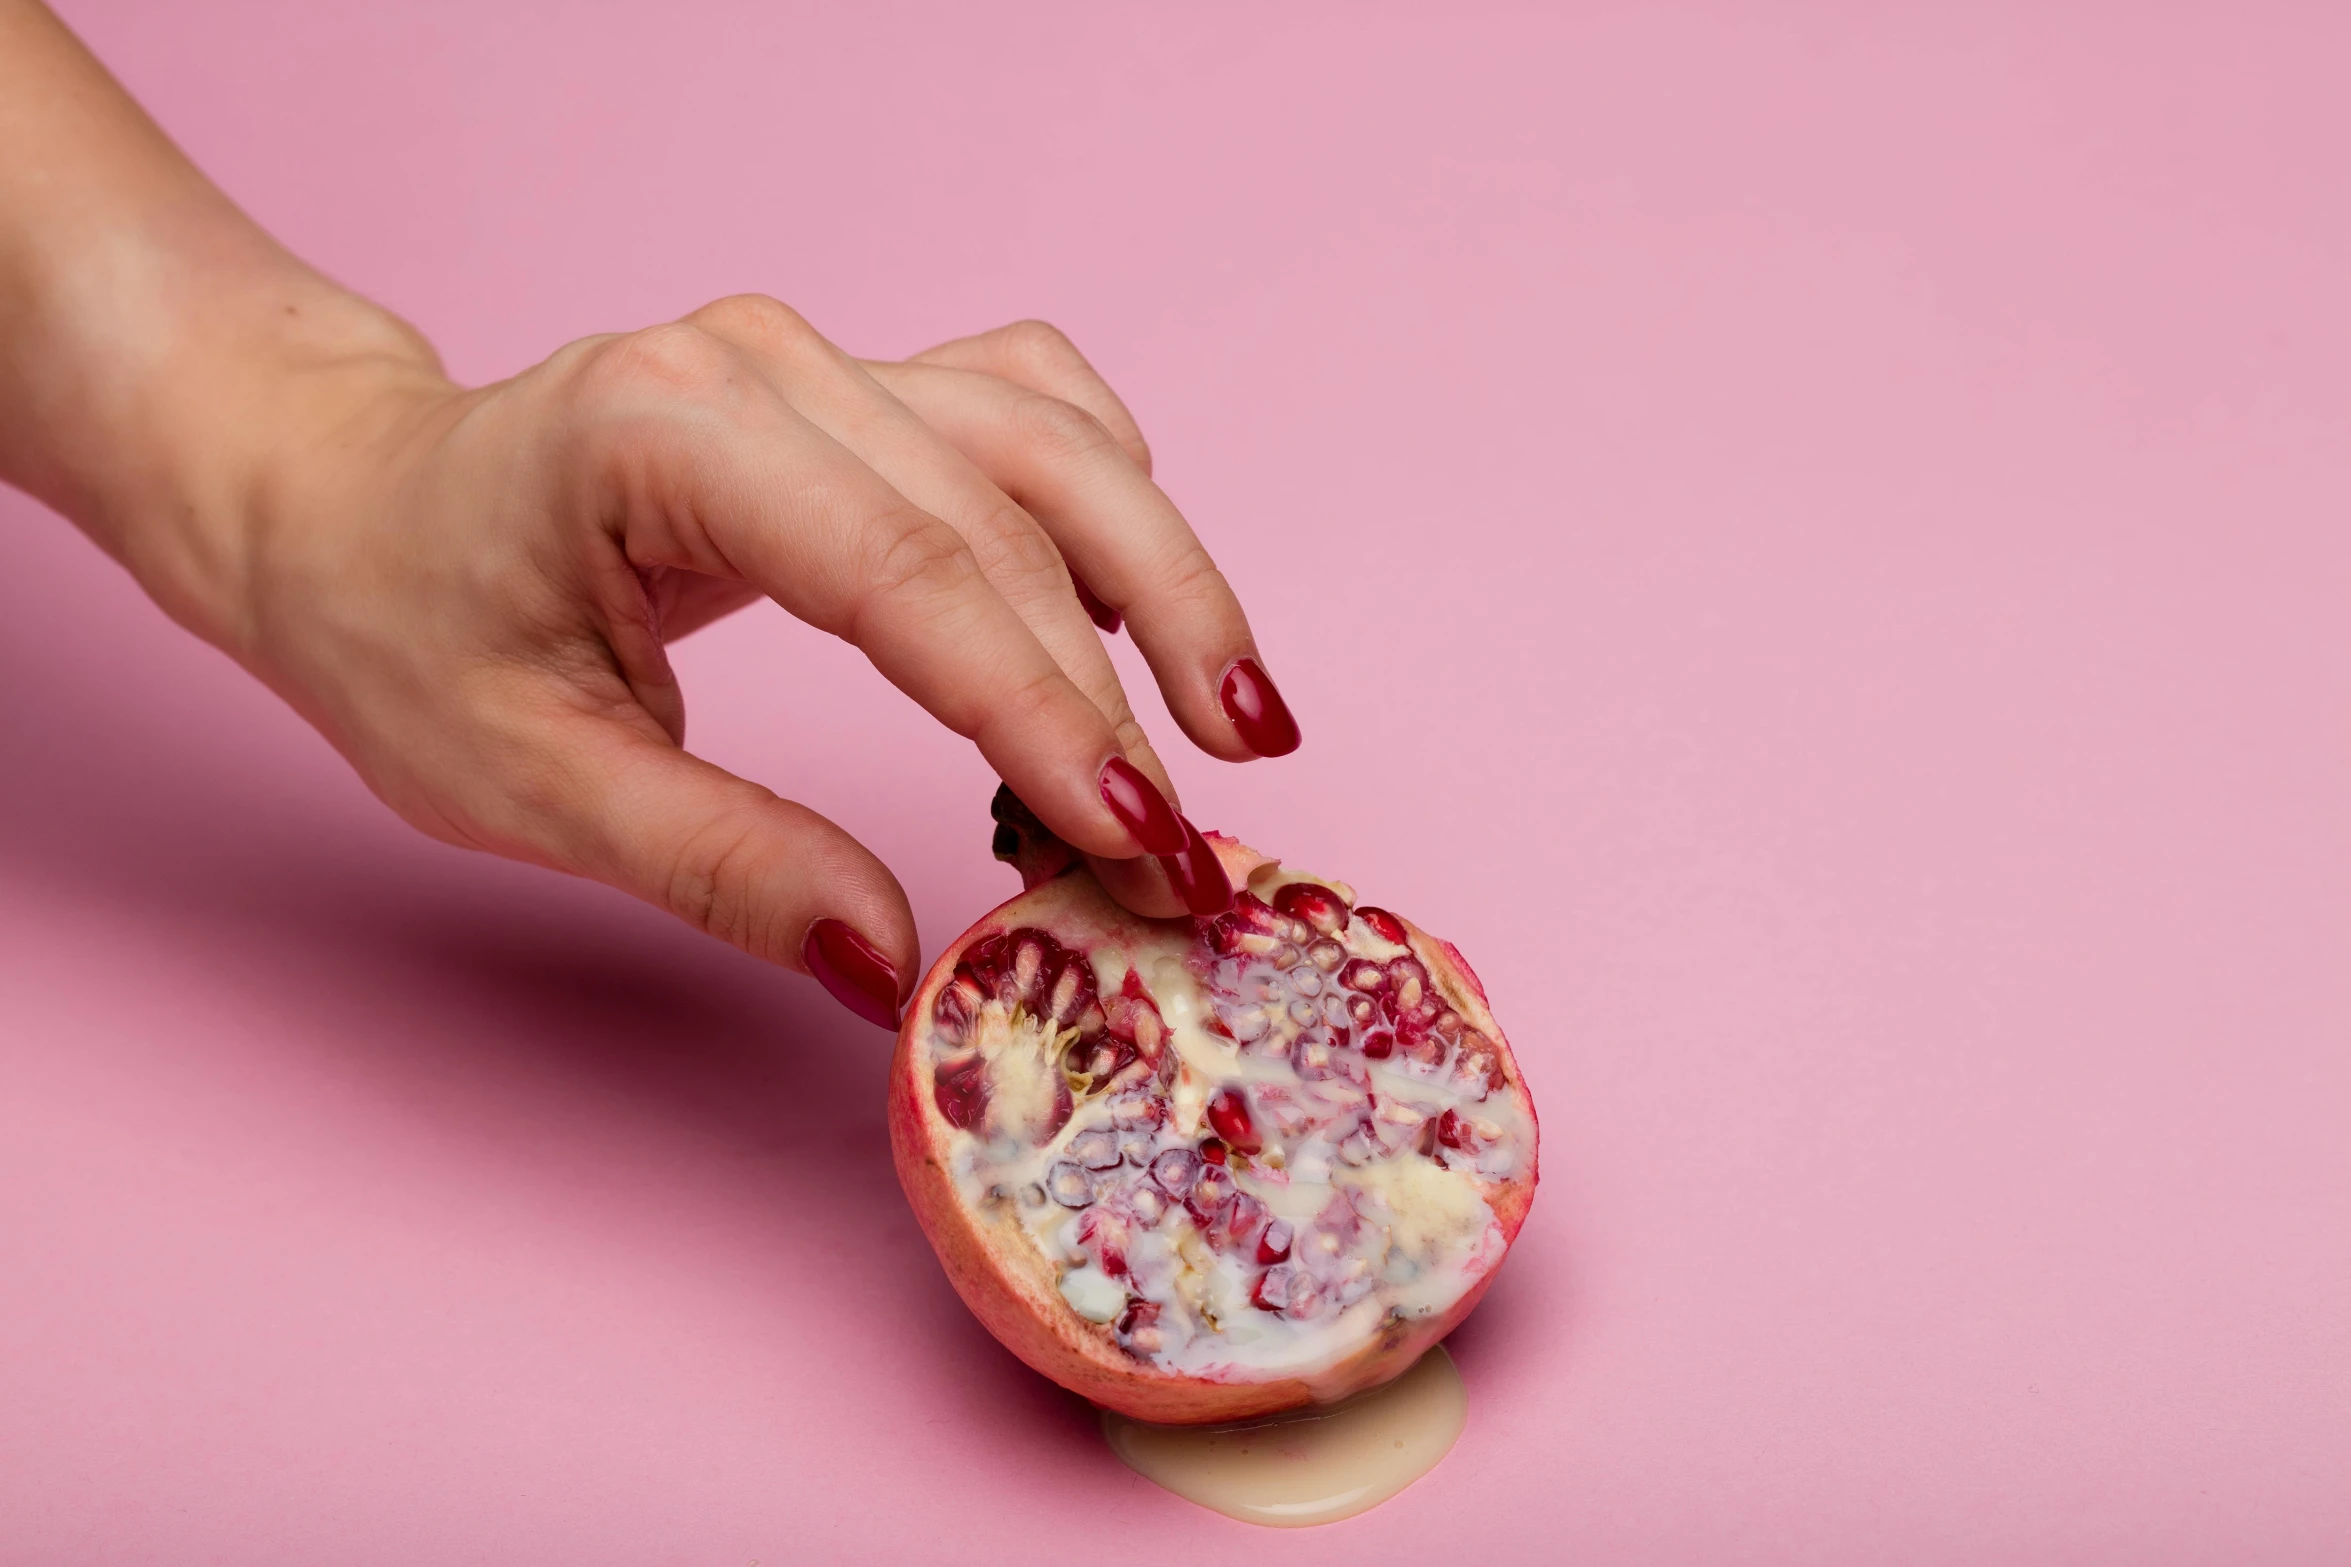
[957,1008]
[1420,1048]
[1228,1112]
[1397,1127]
[1477,1070]
[1074,1002]
[1148,1205]
[1388,927]
[1106,1233]
[1059,1115]
[1379,1044]
[1176,1170]
[1274,1244]
[1032,952]
[1252,913]
[1364,975]
[1326,955]
[1133,1018]
[1316,1058]
[961,1091]
[1132,1111]
[1319,907]
[1236,1229]
[984,960]
[1096,1150]
[1209,1194]
[1069,1185]
[1272,1291]
[1212,1149]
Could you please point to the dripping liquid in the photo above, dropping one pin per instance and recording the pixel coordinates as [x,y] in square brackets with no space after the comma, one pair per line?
[1307,1466]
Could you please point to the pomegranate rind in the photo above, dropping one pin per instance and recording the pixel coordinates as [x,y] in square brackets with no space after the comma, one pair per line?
[1013,1289]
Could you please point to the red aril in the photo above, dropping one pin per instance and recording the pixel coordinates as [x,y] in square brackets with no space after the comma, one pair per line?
[1198,1170]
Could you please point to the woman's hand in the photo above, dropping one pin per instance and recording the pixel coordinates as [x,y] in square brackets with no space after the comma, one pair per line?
[469,593]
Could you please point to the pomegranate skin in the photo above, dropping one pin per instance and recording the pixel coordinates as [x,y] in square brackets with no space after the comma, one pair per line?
[1012,1288]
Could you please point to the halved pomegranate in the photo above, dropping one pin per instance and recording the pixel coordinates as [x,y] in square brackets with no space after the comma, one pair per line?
[1198,1170]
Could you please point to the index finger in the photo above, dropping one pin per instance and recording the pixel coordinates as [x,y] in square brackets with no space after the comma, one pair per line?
[729,480]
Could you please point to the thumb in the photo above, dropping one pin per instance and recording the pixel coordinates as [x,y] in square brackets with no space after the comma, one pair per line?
[735,861]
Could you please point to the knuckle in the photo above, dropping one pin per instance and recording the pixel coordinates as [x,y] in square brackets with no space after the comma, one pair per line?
[1029,707]
[1040,342]
[768,323]
[1060,428]
[676,359]
[1193,578]
[1009,544]
[915,555]
[713,880]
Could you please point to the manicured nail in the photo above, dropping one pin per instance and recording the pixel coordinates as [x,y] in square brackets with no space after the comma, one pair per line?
[1100,613]
[1257,710]
[1198,874]
[1140,808]
[859,978]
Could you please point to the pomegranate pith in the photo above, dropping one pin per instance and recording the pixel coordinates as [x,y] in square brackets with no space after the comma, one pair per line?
[1200,1169]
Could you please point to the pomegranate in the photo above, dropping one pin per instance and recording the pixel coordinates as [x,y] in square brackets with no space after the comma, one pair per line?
[1201,1169]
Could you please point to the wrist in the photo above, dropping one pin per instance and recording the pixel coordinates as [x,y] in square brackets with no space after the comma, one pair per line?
[234,426]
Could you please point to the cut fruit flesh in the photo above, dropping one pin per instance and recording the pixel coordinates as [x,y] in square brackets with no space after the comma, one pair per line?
[1201,1169]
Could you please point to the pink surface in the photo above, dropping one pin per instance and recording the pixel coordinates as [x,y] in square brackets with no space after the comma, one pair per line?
[1816,551]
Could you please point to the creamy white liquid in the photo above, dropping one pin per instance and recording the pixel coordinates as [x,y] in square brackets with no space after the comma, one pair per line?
[1308,1466]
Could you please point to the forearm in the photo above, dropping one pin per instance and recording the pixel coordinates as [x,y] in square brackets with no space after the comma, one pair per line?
[159,353]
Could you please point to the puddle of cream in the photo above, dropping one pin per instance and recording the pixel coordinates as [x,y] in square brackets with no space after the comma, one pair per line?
[1310,1465]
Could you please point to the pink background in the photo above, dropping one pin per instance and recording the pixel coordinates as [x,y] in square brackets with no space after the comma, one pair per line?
[1815,549]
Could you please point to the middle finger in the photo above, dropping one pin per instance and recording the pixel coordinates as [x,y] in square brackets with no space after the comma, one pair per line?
[833,392]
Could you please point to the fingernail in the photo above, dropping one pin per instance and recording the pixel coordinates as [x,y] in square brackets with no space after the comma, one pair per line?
[1198,874]
[1100,613]
[1257,710]
[1140,808]
[859,977]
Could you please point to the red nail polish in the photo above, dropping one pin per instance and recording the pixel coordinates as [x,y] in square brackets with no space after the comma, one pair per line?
[1140,808]
[1100,613]
[847,965]
[1198,874]
[1257,710]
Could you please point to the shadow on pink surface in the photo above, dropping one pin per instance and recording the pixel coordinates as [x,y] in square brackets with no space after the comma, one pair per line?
[526,1021]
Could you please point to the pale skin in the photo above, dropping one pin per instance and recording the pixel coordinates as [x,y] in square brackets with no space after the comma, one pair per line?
[468,590]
